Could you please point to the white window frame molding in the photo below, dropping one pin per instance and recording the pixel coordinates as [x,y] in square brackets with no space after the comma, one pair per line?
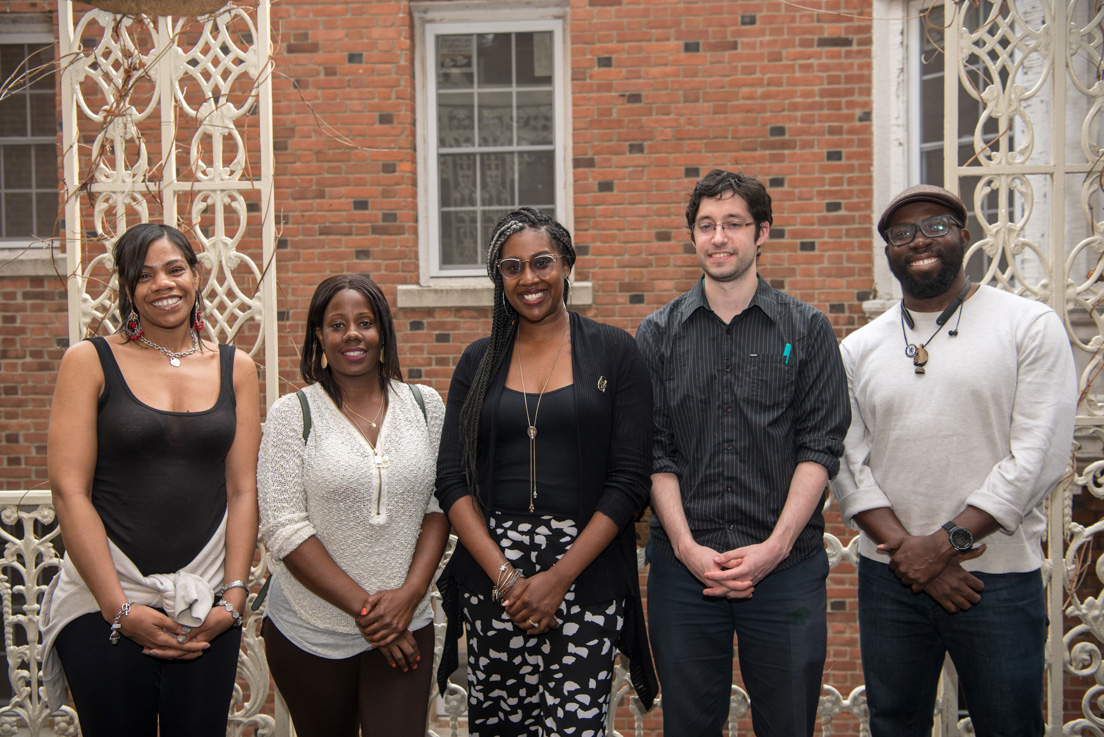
[896,159]
[23,257]
[472,288]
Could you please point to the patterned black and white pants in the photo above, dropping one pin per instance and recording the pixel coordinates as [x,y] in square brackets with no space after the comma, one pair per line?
[556,683]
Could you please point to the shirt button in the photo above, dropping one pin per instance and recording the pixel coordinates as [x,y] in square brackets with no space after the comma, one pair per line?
[728,408]
[728,487]
[731,526]
[728,446]
[728,331]
[728,368]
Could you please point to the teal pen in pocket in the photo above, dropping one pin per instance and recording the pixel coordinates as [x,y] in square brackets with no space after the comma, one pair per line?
[786,353]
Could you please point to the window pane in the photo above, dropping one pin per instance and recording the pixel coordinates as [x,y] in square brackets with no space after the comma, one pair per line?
[489,219]
[43,55]
[931,112]
[460,242]
[455,119]
[495,59]
[457,180]
[45,166]
[17,215]
[496,119]
[536,178]
[17,168]
[13,116]
[534,58]
[43,111]
[454,61]
[498,179]
[46,212]
[535,122]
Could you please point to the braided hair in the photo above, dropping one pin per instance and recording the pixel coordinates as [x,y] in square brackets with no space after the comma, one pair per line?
[503,320]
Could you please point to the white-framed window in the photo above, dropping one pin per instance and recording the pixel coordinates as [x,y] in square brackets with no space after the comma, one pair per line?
[28,135]
[493,116]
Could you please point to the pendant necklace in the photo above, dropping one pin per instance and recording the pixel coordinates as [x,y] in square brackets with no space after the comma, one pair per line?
[174,358]
[379,460]
[371,424]
[919,353]
[532,430]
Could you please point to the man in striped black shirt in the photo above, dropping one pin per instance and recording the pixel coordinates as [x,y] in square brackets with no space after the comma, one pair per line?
[751,408]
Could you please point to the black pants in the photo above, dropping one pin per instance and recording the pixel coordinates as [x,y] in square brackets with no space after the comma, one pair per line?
[347,697]
[119,692]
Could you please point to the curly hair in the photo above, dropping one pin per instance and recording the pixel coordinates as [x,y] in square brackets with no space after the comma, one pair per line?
[503,320]
[720,183]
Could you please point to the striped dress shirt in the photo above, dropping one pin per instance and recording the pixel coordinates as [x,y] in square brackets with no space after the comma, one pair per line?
[737,407]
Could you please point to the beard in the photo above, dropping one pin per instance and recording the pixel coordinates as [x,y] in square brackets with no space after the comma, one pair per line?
[950,259]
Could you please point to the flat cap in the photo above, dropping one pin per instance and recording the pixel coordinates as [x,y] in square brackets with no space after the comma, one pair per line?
[923,193]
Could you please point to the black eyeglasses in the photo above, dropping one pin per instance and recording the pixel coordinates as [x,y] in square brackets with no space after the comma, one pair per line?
[933,227]
[512,268]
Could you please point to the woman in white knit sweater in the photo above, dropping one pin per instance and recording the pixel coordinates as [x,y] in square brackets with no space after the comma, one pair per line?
[345,485]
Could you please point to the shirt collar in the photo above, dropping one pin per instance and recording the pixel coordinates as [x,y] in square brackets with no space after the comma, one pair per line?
[765,298]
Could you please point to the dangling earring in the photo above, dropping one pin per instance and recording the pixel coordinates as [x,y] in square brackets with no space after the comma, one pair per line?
[197,317]
[133,328]
[325,363]
[381,354]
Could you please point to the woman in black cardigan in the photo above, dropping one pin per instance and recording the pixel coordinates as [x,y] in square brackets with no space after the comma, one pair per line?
[545,459]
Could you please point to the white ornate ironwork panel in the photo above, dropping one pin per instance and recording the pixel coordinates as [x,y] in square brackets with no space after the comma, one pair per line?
[170,120]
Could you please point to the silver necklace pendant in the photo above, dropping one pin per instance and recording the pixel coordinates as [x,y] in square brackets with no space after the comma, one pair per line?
[174,361]
[532,432]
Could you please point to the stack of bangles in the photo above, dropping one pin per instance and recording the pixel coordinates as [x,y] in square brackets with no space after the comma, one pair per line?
[227,605]
[506,581]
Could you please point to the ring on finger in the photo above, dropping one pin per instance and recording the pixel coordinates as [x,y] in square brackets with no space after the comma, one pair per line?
[532,624]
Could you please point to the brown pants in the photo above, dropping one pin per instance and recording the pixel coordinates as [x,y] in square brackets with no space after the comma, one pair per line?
[358,695]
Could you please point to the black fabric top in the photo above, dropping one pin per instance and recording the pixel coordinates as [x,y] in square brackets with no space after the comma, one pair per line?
[737,407]
[613,437]
[557,454]
[160,479]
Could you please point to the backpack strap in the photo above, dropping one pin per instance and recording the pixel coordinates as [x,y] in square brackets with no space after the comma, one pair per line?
[306,414]
[417,392]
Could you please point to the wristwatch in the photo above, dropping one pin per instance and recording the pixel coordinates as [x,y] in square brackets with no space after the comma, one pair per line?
[961,538]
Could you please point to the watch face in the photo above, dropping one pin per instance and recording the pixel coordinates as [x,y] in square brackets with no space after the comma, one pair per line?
[961,538]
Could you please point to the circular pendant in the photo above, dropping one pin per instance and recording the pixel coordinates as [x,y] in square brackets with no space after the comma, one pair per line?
[174,361]
[910,350]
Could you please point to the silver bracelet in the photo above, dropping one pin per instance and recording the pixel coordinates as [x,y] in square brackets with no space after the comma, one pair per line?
[236,584]
[117,626]
[233,612]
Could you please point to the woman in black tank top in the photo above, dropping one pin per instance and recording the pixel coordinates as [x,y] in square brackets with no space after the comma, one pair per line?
[152,458]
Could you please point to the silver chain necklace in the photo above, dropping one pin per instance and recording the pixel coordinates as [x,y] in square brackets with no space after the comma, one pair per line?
[174,358]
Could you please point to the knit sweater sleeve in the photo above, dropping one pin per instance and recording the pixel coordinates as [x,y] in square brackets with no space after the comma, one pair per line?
[1043,415]
[281,498]
[855,486]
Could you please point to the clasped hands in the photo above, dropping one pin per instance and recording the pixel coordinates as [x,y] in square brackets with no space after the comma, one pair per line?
[930,564]
[532,603]
[163,637]
[384,622]
[734,573]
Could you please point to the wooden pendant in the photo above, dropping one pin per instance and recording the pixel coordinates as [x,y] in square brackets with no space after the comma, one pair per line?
[920,359]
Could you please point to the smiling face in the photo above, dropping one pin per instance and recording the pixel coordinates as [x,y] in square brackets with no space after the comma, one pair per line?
[165,290]
[349,336]
[535,298]
[928,266]
[727,253]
